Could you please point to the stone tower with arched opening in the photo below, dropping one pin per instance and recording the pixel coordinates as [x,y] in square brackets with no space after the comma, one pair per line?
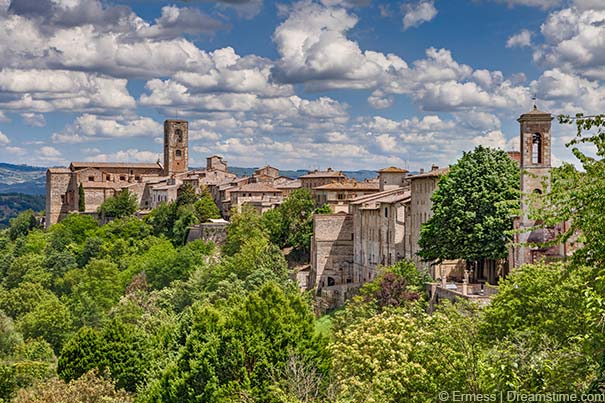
[176,147]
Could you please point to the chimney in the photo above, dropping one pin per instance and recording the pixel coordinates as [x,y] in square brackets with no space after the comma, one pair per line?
[434,167]
[421,170]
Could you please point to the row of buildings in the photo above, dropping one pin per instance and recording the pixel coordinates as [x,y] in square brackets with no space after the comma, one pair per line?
[373,223]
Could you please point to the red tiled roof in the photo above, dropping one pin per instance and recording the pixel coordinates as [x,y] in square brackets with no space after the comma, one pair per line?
[322,174]
[350,185]
[258,187]
[92,164]
[394,169]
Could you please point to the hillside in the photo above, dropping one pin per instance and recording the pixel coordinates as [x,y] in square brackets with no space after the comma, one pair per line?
[22,179]
[12,204]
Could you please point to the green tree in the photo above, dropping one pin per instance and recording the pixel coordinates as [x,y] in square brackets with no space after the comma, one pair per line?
[94,289]
[22,224]
[120,348]
[238,352]
[291,223]
[577,198]
[405,355]
[473,208]
[123,204]
[186,195]
[81,198]
[50,320]
[91,387]
[205,207]
[245,225]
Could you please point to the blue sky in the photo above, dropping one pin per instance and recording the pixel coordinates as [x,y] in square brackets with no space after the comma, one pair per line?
[349,84]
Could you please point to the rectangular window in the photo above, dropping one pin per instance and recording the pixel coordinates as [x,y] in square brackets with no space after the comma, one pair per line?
[108,177]
[91,178]
[122,178]
[386,211]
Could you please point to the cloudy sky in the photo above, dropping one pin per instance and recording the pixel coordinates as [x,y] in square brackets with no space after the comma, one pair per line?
[314,83]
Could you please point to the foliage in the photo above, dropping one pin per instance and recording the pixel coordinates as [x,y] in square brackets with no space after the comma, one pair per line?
[49,320]
[473,208]
[174,219]
[245,225]
[90,388]
[205,207]
[11,204]
[576,198]
[120,348]
[22,224]
[94,289]
[123,204]
[403,354]
[81,198]
[233,353]
[291,223]
[541,299]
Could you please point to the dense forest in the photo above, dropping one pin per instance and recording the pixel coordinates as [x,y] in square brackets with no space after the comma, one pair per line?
[129,312]
[11,204]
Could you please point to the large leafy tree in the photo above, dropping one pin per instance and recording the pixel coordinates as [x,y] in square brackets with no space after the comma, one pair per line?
[123,204]
[473,208]
[236,354]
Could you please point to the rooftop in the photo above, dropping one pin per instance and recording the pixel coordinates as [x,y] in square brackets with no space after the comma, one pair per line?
[350,185]
[393,170]
[434,172]
[258,187]
[329,173]
[93,164]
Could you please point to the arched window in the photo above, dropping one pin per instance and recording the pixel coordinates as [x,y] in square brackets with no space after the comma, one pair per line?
[538,191]
[178,154]
[536,149]
[179,135]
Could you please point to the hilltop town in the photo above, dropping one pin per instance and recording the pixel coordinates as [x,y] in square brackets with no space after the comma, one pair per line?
[371,224]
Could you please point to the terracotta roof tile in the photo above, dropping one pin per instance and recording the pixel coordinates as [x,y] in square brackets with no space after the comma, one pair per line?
[92,164]
[258,187]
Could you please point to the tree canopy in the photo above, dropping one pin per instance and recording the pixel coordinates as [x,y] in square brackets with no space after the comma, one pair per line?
[473,208]
[123,204]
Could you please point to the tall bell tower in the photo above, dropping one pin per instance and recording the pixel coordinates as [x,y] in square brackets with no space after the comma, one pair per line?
[535,166]
[176,147]
[535,149]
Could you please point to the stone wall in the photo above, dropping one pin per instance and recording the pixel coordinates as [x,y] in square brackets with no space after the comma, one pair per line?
[331,250]
[215,232]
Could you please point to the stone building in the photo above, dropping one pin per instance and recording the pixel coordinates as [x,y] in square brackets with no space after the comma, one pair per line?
[152,183]
[266,174]
[331,273]
[379,223]
[392,178]
[535,164]
[422,187]
[260,195]
[318,178]
[338,195]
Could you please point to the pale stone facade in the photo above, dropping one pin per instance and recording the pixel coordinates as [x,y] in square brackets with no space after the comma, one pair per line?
[338,195]
[379,227]
[262,196]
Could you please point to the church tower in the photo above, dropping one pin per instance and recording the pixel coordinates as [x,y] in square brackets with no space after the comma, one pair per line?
[535,149]
[176,147]
[535,168]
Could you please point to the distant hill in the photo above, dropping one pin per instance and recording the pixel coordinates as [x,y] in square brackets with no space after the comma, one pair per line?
[22,179]
[12,204]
